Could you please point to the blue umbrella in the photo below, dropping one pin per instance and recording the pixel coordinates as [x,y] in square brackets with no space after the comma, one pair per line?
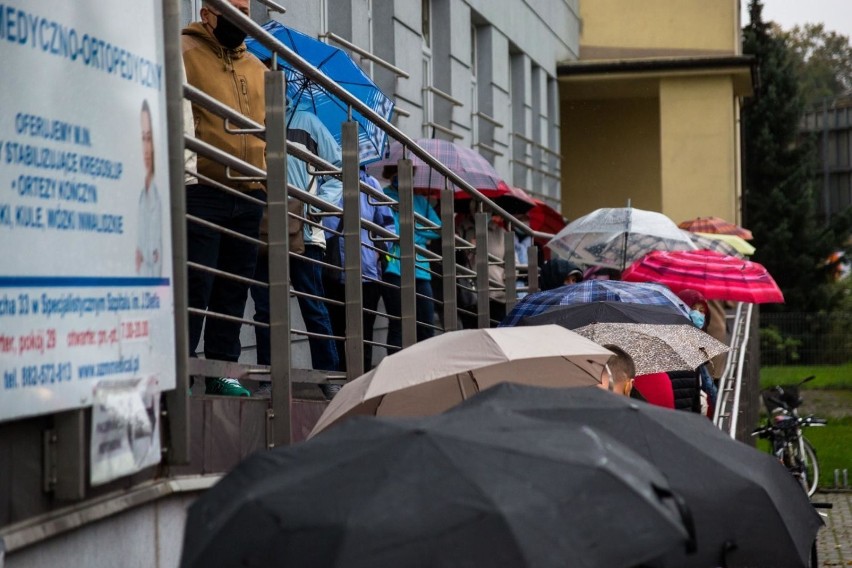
[339,67]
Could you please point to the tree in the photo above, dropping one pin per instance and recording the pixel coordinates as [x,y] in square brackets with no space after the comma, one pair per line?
[779,201]
[822,61]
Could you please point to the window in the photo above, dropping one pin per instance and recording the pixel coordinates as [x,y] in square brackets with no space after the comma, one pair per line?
[426,22]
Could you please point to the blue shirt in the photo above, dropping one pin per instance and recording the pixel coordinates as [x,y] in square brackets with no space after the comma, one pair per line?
[304,127]
[381,215]
[422,235]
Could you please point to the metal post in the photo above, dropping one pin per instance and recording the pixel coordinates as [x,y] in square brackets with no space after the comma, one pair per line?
[510,276]
[408,295]
[448,263]
[279,263]
[483,309]
[177,400]
[352,252]
[532,269]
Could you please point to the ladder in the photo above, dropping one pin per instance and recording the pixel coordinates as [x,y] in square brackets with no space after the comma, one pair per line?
[728,400]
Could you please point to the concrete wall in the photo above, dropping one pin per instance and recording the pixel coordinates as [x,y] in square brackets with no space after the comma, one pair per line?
[150,536]
[614,29]
[611,153]
[698,148]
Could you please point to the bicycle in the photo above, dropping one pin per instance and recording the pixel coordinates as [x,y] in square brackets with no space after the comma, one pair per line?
[783,429]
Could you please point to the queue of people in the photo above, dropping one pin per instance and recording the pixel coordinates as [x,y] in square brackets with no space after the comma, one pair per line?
[216,61]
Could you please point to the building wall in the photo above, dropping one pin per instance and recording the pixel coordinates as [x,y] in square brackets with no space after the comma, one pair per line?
[511,48]
[611,154]
[617,29]
[698,147]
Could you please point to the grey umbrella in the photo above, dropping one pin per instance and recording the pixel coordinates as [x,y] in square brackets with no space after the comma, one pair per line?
[436,492]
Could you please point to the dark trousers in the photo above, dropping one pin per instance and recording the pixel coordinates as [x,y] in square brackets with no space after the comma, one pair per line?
[211,248]
[305,277]
[370,295]
[393,305]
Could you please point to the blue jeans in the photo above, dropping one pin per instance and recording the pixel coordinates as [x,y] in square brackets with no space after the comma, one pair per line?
[305,277]
[393,304]
[211,248]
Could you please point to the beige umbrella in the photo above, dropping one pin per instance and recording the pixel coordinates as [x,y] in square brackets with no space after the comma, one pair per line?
[438,373]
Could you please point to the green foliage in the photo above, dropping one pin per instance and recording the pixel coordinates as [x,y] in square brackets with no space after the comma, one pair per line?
[779,198]
[822,61]
[775,346]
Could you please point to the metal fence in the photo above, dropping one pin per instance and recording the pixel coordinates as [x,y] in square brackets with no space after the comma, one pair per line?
[798,338]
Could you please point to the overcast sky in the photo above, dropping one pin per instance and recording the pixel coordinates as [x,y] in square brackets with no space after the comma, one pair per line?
[835,14]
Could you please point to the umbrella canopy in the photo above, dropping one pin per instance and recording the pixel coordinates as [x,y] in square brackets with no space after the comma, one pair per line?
[545,218]
[706,241]
[593,291]
[513,199]
[748,510]
[578,315]
[739,244]
[715,225]
[339,67]
[615,237]
[657,348]
[433,375]
[716,276]
[466,162]
[437,493]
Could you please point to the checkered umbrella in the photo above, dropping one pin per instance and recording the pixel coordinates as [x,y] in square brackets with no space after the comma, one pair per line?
[715,225]
[465,162]
[615,237]
[593,291]
[716,276]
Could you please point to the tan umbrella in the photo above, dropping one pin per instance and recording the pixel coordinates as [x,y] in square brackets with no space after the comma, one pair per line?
[438,373]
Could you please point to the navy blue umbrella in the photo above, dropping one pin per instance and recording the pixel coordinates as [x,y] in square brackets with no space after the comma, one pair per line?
[339,67]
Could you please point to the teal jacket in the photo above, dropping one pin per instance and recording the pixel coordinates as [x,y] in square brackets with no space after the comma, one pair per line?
[421,235]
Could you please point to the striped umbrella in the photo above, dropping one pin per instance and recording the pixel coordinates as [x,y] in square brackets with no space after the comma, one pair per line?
[715,225]
[716,276]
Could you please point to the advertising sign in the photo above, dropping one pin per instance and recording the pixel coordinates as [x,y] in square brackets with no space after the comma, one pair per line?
[85,280]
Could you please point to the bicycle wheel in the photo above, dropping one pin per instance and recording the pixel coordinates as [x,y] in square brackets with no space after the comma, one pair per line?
[810,468]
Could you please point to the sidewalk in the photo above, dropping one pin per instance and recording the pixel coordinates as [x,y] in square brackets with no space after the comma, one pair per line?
[835,539]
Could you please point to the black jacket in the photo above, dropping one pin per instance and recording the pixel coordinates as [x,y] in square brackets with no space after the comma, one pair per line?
[687,390]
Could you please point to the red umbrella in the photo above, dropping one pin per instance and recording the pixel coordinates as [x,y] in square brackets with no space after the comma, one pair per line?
[513,199]
[545,218]
[715,225]
[717,276]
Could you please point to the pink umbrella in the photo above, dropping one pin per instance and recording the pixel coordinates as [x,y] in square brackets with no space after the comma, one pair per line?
[717,276]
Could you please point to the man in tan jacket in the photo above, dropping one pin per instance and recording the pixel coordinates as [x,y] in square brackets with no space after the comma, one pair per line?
[216,62]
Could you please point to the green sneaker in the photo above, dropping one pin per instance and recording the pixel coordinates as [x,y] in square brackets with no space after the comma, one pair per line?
[226,387]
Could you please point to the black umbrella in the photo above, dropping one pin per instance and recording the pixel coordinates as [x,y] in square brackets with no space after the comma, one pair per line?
[437,492]
[748,510]
[572,316]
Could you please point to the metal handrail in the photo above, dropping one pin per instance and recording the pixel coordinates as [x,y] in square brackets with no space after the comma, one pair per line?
[365,54]
[314,74]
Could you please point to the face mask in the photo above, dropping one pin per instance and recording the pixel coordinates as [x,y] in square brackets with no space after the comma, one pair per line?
[697,318]
[229,35]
